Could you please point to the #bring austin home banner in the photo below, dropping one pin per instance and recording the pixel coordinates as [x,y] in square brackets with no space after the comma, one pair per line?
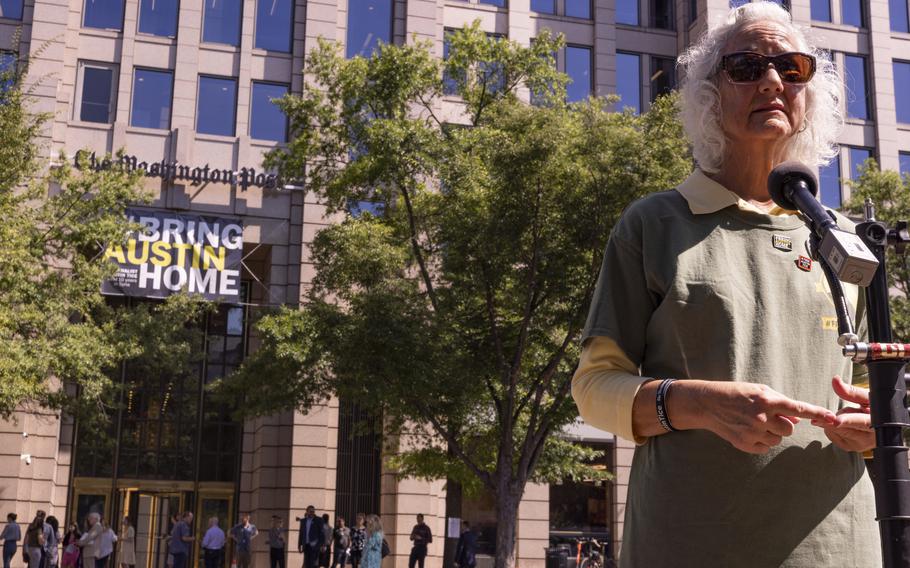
[176,252]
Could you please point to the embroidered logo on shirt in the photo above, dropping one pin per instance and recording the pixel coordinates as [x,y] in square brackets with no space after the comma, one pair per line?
[781,242]
[804,263]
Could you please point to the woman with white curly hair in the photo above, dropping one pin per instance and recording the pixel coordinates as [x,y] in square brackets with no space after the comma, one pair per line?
[711,339]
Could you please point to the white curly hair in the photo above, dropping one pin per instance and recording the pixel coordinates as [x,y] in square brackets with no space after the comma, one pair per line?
[815,142]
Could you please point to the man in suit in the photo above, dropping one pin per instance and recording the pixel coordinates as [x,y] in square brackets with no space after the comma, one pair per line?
[311,539]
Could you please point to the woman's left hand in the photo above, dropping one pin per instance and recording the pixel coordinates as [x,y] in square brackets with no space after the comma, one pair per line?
[852,431]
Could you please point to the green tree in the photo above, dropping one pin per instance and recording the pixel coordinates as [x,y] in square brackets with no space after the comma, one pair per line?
[455,310]
[890,193]
[58,336]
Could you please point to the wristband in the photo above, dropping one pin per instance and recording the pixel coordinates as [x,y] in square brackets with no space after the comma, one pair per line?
[662,416]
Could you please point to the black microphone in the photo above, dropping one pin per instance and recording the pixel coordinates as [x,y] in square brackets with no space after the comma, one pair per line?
[793,186]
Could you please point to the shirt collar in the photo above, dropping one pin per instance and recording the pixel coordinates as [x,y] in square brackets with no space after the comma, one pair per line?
[704,195]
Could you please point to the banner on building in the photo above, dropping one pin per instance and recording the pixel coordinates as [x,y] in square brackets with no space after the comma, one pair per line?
[176,252]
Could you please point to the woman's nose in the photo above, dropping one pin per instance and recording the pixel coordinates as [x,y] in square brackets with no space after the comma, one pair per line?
[770,81]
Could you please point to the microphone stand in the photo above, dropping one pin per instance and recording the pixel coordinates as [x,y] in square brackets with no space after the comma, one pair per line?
[887,388]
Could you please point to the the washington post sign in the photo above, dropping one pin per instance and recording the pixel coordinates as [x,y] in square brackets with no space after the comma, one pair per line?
[175,252]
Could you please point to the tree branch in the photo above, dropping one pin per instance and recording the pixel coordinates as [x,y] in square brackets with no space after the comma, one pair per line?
[415,246]
[456,447]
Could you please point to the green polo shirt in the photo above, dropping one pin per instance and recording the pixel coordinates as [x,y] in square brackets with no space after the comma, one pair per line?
[725,293]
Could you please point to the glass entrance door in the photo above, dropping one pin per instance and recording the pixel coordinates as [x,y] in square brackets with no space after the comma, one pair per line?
[153,515]
[217,503]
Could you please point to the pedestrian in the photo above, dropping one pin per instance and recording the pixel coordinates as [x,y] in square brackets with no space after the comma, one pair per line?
[421,536]
[51,541]
[341,543]
[127,555]
[466,551]
[325,554]
[213,544]
[372,548]
[70,557]
[358,539]
[710,283]
[277,543]
[105,545]
[34,541]
[181,537]
[90,540]
[243,534]
[11,535]
[171,523]
[311,538]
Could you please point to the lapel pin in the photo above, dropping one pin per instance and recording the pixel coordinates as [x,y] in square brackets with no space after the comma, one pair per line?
[804,263]
[781,242]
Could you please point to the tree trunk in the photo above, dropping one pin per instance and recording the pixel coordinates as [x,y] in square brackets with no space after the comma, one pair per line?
[507,519]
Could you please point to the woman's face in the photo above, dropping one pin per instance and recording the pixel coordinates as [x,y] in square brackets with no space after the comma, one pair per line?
[767,110]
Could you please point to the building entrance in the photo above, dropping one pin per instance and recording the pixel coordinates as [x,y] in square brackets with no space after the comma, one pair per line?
[153,507]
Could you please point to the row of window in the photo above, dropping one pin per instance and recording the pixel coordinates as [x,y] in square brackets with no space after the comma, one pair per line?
[660,13]
[859,92]
[830,180]
[216,110]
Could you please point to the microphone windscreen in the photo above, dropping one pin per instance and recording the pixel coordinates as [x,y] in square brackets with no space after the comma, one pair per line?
[785,173]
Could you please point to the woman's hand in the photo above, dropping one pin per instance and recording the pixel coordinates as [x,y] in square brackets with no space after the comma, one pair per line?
[853,430]
[752,417]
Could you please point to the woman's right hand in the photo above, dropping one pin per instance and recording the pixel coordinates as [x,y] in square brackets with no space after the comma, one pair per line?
[752,417]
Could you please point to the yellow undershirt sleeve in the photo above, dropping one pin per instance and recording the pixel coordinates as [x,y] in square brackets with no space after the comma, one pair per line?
[604,387]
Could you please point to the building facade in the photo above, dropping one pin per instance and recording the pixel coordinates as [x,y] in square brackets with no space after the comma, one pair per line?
[189,83]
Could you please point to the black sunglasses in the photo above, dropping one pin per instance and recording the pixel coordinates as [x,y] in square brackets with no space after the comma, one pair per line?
[749,67]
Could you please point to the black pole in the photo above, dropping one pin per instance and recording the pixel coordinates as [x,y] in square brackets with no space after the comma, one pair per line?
[887,401]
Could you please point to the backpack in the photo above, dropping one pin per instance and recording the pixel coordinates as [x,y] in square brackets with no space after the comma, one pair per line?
[385,548]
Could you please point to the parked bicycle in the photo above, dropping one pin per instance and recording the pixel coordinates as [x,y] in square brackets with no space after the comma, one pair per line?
[592,554]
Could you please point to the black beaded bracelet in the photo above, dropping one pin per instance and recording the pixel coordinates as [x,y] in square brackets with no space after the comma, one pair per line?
[662,416]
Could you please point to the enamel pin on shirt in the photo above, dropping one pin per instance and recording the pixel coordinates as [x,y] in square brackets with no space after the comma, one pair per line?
[804,263]
[781,242]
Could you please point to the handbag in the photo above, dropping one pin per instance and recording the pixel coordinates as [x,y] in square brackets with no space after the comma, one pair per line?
[385,548]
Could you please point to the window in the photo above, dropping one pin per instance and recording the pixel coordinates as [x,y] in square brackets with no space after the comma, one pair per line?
[628,80]
[221,21]
[11,9]
[267,121]
[829,184]
[858,156]
[902,90]
[851,13]
[274,21]
[900,21]
[103,14]
[627,12]
[369,22]
[499,3]
[693,11]
[662,14]
[857,87]
[449,83]
[578,68]
[544,6]
[663,76]
[8,68]
[152,94]
[158,17]
[98,92]
[904,160]
[217,106]
[578,9]
[738,3]
[820,10]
